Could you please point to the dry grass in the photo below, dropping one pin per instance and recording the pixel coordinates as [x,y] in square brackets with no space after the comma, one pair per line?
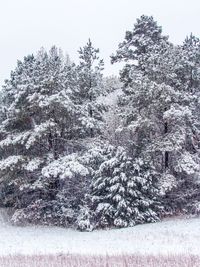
[100,261]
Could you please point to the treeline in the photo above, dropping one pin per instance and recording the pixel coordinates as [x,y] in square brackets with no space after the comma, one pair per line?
[82,150]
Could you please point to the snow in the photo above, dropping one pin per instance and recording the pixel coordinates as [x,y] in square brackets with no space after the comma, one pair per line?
[15,139]
[110,99]
[33,164]
[180,235]
[177,112]
[188,164]
[10,161]
[65,167]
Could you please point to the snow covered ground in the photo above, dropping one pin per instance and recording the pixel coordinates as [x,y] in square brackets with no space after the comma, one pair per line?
[178,236]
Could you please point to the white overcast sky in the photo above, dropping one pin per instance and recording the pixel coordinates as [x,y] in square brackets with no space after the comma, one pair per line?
[27,25]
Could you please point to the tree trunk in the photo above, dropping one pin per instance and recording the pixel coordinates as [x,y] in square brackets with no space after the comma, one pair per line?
[90,111]
[166,159]
[166,152]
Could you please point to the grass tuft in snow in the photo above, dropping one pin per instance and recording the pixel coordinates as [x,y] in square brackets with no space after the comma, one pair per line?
[100,261]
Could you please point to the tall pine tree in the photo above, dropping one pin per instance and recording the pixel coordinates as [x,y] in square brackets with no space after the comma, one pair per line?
[89,88]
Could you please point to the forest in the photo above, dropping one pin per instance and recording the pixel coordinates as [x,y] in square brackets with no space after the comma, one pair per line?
[83,150]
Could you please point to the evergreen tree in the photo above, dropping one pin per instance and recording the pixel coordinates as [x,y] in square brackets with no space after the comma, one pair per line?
[186,81]
[138,46]
[89,88]
[122,194]
[191,63]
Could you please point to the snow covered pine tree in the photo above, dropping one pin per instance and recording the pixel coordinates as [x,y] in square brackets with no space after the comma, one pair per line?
[89,88]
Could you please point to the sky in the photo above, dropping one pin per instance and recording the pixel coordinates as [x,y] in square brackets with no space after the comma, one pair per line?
[28,25]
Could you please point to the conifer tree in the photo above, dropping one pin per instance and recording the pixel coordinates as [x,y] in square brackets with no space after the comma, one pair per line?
[90,86]
[122,194]
[138,45]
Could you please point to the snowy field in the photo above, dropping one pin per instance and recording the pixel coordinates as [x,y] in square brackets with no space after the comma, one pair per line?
[178,236]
